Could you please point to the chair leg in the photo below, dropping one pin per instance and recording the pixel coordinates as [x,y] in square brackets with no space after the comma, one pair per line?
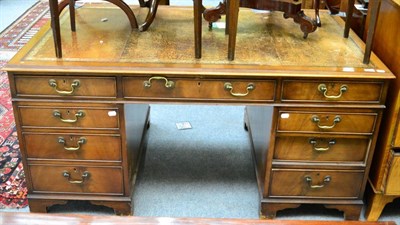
[142,3]
[55,26]
[371,30]
[349,16]
[197,8]
[226,2]
[128,11]
[72,14]
[317,18]
[232,29]
[152,5]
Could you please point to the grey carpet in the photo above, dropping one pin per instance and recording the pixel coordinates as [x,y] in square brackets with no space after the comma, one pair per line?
[205,171]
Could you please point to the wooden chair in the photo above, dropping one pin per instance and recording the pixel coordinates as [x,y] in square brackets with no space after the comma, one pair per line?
[228,7]
[290,9]
[232,20]
[56,9]
[373,17]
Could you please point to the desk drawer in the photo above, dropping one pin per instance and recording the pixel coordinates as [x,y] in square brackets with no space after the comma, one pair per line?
[342,91]
[93,87]
[84,180]
[316,183]
[317,149]
[68,117]
[327,122]
[72,146]
[198,89]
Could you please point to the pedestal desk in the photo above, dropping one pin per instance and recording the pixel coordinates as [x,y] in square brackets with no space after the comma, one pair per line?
[313,108]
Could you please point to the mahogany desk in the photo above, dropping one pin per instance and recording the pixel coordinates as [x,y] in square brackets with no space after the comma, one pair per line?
[313,108]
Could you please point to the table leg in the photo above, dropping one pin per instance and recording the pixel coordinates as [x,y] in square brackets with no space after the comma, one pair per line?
[55,26]
[376,204]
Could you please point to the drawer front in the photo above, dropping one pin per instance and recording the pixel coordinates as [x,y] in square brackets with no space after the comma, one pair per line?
[72,146]
[327,122]
[396,135]
[316,183]
[68,117]
[392,186]
[231,90]
[396,138]
[295,90]
[84,180]
[317,149]
[54,86]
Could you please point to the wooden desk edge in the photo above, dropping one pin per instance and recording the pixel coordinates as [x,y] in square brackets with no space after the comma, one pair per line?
[43,219]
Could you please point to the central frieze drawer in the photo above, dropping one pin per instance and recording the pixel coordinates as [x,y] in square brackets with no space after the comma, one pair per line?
[327,122]
[35,86]
[342,91]
[321,149]
[72,146]
[180,88]
[316,183]
[79,179]
[68,117]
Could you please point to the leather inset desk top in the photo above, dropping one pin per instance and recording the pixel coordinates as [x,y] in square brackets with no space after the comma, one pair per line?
[263,38]
[267,45]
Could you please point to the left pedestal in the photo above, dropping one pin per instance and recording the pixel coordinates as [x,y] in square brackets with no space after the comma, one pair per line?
[75,148]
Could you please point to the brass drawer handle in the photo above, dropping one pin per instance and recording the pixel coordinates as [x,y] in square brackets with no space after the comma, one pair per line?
[229,87]
[80,142]
[321,149]
[322,88]
[316,120]
[308,180]
[168,83]
[85,175]
[78,115]
[74,85]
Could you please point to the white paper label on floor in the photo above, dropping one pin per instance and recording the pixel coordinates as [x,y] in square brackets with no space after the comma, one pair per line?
[183,125]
